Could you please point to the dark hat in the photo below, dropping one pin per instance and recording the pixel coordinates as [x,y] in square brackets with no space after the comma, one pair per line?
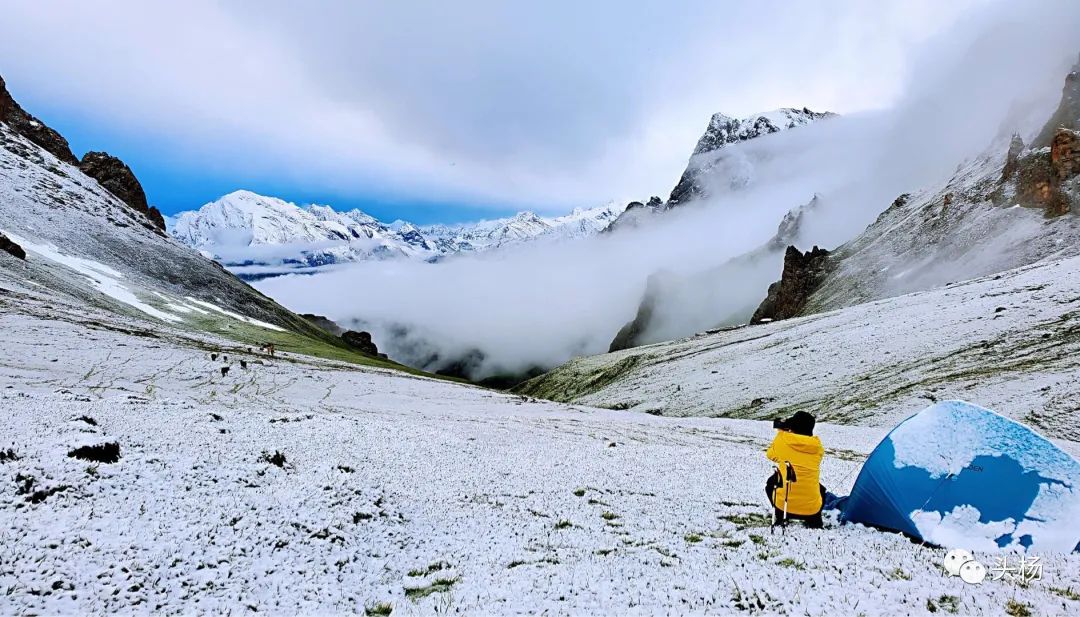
[801,423]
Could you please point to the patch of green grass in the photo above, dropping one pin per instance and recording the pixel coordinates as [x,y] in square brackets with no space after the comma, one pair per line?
[1066,593]
[563,524]
[438,566]
[579,492]
[608,515]
[1017,609]
[253,336]
[572,381]
[732,542]
[756,539]
[440,585]
[515,563]
[899,575]
[692,538]
[596,502]
[750,519]
[949,604]
[604,552]
[788,562]
[379,609]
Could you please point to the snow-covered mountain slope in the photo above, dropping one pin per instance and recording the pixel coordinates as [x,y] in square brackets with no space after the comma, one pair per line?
[86,245]
[1009,341]
[256,236]
[298,485]
[1014,205]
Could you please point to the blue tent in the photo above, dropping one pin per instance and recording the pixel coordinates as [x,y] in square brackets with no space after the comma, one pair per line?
[960,476]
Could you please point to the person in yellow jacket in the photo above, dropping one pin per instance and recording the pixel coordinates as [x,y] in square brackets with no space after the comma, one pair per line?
[797,454]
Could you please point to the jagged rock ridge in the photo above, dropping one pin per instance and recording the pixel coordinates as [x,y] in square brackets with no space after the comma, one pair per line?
[117,178]
[800,278]
[723,131]
[705,162]
[33,129]
[109,171]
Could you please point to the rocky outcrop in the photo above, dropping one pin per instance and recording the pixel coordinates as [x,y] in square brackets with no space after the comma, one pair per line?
[8,246]
[1042,174]
[801,276]
[1012,159]
[1065,154]
[1054,159]
[361,341]
[635,213]
[33,129]
[117,178]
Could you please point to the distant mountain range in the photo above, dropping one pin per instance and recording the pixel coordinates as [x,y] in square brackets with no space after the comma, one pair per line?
[256,236]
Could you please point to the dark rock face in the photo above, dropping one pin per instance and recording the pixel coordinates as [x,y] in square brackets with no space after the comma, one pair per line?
[33,129]
[1012,159]
[630,334]
[801,276]
[8,246]
[1068,111]
[117,178]
[360,341]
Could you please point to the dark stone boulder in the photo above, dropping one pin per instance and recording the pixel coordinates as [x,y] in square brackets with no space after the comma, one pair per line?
[117,178]
[9,246]
[360,341]
[33,129]
[801,276]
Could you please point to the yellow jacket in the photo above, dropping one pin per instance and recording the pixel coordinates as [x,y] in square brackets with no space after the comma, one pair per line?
[804,453]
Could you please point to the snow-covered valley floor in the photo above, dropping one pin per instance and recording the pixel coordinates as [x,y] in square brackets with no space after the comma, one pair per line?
[303,485]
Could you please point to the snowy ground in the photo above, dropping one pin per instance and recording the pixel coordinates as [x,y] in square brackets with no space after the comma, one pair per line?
[423,494]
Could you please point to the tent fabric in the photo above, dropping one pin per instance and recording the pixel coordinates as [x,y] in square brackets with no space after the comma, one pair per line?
[960,476]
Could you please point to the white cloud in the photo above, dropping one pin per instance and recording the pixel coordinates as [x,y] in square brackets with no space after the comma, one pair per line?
[556,103]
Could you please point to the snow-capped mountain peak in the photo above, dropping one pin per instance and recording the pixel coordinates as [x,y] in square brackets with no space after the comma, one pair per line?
[241,228]
[724,130]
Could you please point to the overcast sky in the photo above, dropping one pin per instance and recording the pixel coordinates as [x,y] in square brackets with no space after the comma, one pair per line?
[441,111]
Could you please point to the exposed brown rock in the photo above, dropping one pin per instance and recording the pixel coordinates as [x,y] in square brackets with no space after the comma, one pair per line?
[117,178]
[1065,154]
[801,276]
[9,246]
[33,129]
[1041,174]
